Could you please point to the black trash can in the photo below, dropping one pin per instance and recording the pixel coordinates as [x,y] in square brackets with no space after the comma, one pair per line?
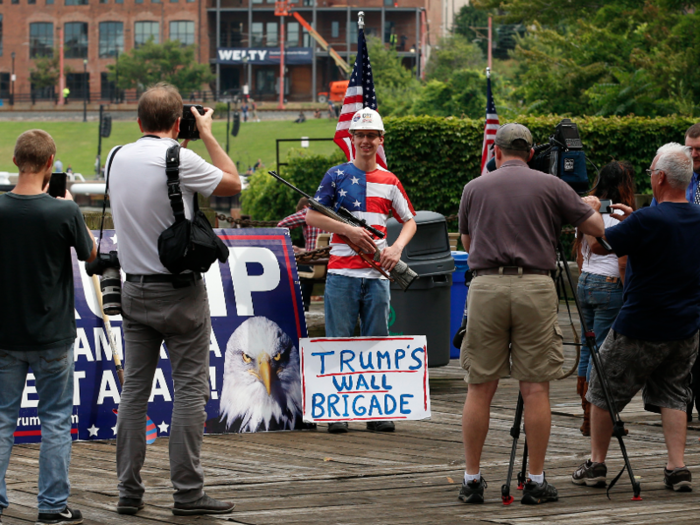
[424,309]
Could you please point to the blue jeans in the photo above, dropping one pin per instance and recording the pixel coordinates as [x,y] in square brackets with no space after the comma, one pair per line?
[600,303]
[53,371]
[348,297]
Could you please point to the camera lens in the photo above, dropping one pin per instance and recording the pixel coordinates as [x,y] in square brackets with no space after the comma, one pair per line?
[111,285]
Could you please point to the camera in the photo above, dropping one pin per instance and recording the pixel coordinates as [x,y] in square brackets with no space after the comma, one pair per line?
[188,124]
[107,266]
[563,156]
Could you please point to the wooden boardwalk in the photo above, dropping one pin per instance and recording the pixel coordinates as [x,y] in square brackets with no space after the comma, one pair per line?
[409,477]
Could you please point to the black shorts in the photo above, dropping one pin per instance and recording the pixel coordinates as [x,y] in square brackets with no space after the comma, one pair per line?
[661,369]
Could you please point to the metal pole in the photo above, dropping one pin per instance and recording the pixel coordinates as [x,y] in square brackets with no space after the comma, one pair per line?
[116,81]
[98,164]
[12,95]
[490,41]
[281,103]
[85,88]
[228,124]
[61,78]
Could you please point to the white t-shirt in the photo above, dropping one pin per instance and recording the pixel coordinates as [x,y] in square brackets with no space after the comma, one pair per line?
[139,198]
[600,264]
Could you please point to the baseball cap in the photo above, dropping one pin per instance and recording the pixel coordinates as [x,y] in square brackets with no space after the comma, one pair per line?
[514,136]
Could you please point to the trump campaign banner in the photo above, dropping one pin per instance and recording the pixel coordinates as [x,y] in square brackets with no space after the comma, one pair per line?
[364,379]
[257,320]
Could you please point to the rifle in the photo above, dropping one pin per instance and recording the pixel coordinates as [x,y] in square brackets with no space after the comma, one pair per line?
[401,274]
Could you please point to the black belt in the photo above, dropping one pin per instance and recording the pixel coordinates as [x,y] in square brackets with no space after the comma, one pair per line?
[511,270]
[183,278]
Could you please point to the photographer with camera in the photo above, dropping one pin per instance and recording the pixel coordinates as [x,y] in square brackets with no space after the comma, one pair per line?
[37,317]
[159,305]
[653,342]
[510,221]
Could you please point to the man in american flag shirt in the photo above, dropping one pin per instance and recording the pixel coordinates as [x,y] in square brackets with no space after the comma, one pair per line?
[372,193]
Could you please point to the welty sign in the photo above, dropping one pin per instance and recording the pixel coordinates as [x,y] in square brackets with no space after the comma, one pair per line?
[264,55]
[257,320]
[365,379]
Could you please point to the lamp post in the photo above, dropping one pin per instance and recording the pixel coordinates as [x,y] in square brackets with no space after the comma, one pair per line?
[12,94]
[85,88]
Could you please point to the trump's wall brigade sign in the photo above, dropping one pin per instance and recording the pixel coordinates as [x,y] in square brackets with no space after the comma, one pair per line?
[257,319]
[364,379]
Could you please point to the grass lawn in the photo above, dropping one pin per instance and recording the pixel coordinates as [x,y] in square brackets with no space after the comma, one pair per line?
[77,141]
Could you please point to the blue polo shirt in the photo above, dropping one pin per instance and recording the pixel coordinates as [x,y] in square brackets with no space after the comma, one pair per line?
[661,297]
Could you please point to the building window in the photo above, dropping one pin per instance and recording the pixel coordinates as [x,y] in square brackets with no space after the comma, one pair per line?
[231,34]
[256,34]
[40,39]
[104,1]
[79,85]
[75,40]
[49,2]
[305,38]
[293,34]
[4,85]
[111,39]
[257,1]
[108,89]
[1,37]
[145,31]
[353,31]
[388,3]
[76,2]
[335,29]
[272,40]
[15,1]
[31,2]
[173,1]
[156,1]
[182,30]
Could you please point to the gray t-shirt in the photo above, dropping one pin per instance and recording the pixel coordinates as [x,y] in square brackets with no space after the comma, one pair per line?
[37,309]
[514,216]
[139,198]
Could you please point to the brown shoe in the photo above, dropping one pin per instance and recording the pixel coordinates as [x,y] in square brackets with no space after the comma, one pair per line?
[204,505]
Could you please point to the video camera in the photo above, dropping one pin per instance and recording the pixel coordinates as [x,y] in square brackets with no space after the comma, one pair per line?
[107,265]
[562,157]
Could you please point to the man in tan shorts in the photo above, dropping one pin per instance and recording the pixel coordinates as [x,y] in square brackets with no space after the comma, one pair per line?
[510,221]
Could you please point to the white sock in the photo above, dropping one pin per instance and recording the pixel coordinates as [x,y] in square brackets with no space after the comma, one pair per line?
[537,479]
[471,477]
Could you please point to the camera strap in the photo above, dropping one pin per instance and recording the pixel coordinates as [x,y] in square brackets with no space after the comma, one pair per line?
[172,171]
[104,200]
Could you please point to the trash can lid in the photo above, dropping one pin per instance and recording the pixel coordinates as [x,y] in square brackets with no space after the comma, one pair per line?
[460,256]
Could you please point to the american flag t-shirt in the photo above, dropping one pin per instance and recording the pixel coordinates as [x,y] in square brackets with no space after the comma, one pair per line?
[359,95]
[372,196]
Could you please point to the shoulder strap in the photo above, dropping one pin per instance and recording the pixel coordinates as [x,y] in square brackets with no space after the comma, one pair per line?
[172,171]
[104,200]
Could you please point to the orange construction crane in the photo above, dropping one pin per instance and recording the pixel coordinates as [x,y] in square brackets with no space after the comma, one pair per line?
[283,8]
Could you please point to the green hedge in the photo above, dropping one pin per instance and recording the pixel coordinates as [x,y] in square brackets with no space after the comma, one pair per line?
[435,157]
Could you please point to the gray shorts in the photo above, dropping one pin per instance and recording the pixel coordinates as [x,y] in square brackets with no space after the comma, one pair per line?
[660,369]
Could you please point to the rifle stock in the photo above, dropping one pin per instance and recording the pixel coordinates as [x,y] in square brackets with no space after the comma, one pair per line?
[401,274]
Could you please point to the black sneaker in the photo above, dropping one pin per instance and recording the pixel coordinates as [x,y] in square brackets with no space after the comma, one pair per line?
[678,479]
[129,505]
[339,427]
[204,505]
[381,426]
[473,492]
[65,517]
[536,493]
[590,474]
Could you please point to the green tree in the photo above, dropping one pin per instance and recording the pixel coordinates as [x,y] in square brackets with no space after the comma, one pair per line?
[167,62]
[396,86]
[463,94]
[451,54]
[46,71]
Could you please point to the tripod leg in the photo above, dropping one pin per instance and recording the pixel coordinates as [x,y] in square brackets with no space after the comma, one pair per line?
[522,475]
[618,424]
[515,433]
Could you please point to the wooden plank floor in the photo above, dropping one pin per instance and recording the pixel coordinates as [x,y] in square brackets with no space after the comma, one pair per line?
[409,477]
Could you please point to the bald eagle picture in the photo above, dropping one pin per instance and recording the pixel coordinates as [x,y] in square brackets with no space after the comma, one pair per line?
[262,387]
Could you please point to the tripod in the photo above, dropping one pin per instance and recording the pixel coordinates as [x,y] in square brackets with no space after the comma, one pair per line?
[618,424]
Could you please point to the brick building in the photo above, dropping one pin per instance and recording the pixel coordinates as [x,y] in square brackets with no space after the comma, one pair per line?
[93,32]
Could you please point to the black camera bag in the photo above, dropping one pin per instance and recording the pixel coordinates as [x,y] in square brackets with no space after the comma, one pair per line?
[187,244]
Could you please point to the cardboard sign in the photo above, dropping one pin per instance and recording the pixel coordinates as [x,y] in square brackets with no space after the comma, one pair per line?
[365,379]
[255,292]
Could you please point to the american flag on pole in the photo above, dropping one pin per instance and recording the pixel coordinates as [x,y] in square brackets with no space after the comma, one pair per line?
[360,94]
[490,126]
